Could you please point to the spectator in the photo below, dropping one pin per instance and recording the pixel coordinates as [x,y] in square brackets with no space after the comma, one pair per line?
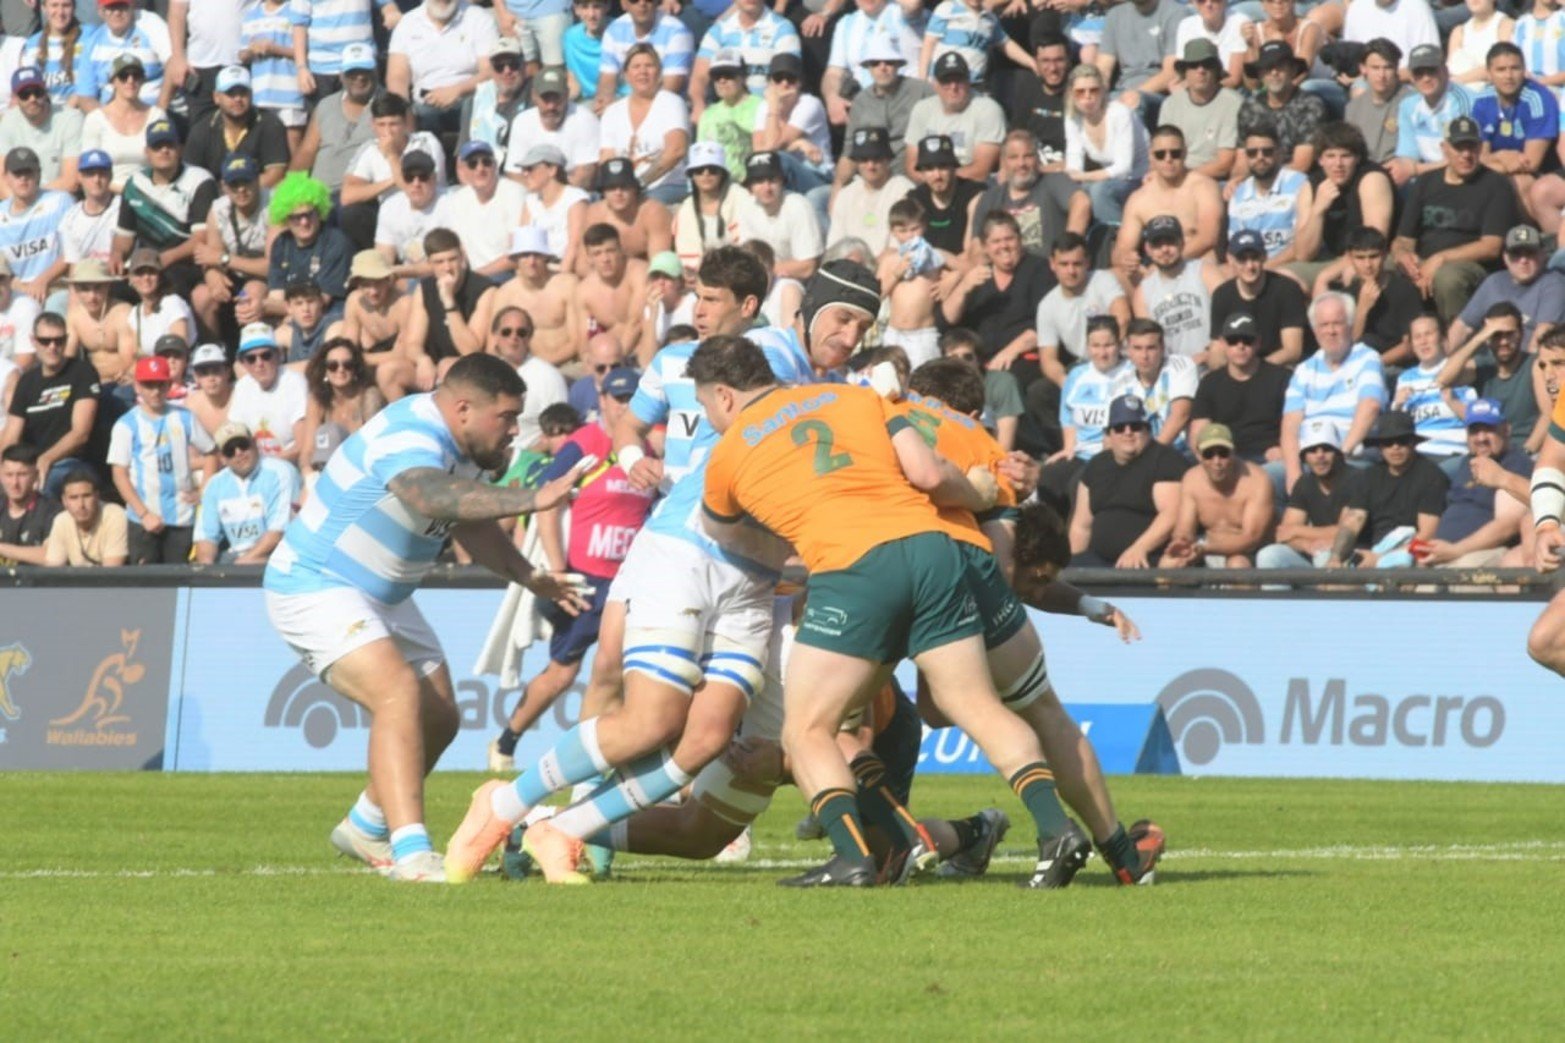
[644,28]
[1403,491]
[862,207]
[1520,122]
[1423,118]
[29,515]
[645,226]
[650,127]
[615,293]
[1524,282]
[1374,112]
[1042,97]
[1310,520]
[1084,409]
[1205,110]
[304,247]
[1469,43]
[584,48]
[601,355]
[484,210]
[126,30]
[754,32]
[854,38]
[1215,23]
[53,407]
[1477,526]
[1128,499]
[451,309]
[1452,225]
[157,311]
[373,175]
[332,29]
[1405,24]
[785,297]
[1177,291]
[203,37]
[709,217]
[950,201]
[1273,200]
[1437,410]
[793,124]
[53,134]
[545,385]
[1171,189]
[407,216]
[555,120]
[96,326]
[783,220]
[154,452]
[176,351]
[342,123]
[214,391]
[1343,382]
[87,532]
[1080,295]
[731,120]
[232,250]
[1045,206]
[539,27]
[489,112]
[247,505]
[29,226]
[438,55]
[1275,302]
[1246,396]
[974,123]
[1002,396]
[342,390]
[886,101]
[971,31]
[909,272]
[1387,301]
[307,325]
[164,208]
[1138,41]
[17,314]
[1165,384]
[374,318]
[269,399]
[1505,373]
[58,49]
[87,229]
[545,295]
[670,305]
[995,299]
[119,125]
[1348,193]
[1225,508]
[277,77]
[1295,113]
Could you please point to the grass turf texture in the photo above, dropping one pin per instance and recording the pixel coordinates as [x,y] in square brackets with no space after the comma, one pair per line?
[1285,909]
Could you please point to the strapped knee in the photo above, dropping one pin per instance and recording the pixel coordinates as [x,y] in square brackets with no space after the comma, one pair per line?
[732,663]
[1029,688]
[662,656]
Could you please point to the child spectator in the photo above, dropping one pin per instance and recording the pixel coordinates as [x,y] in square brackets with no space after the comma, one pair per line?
[909,271]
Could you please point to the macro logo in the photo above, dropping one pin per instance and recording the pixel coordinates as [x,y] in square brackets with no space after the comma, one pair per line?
[1208,708]
[300,700]
[98,720]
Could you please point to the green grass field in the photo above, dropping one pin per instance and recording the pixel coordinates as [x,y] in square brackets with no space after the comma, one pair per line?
[192,907]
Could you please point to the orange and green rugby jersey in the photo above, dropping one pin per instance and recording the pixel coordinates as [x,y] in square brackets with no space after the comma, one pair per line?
[816,466]
[963,441]
[1557,417]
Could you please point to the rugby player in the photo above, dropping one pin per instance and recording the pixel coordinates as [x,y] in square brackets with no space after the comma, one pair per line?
[1546,640]
[338,587]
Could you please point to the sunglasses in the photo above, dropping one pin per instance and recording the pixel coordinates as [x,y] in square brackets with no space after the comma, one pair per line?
[208,371]
[1256,152]
[514,331]
[475,162]
[505,65]
[784,78]
[258,356]
[302,217]
[1248,342]
[602,368]
[418,177]
[142,273]
[881,61]
[238,445]
[160,146]
[30,94]
[623,399]
[1401,443]
[338,365]
[49,342]
[1124,429]
[726,74]
[1217,452]
[1168,153]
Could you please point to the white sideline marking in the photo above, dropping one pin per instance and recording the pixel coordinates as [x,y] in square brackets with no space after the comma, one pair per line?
[1515,851]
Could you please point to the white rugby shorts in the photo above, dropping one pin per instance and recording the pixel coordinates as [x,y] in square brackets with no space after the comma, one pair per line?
[324,626]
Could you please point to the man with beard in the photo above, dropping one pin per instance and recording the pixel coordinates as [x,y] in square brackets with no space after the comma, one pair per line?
[1504,373]
[1044,205]
[1478,526]
[341,124]
[238,126]
[556,120]
[1177,290]
[1042,97]
[1309,521]
[949,200]
[1272,201]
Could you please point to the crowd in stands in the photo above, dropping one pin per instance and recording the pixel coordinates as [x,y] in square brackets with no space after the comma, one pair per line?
[1269,283]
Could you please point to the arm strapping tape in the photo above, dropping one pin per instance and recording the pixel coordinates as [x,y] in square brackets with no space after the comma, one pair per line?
[1548,495]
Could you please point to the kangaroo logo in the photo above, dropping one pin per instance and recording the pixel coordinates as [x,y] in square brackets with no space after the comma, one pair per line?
[301,701]
[106,691]
[14,661]
[1207,708]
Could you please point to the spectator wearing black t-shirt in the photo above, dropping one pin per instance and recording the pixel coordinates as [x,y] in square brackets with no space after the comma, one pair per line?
[1404,489]
[238,126]
[26,515]
[1128,500]
[947,198]
[54,407]
[307,250]
[1246,396]
[998,299]
[1275,302]
[1388,302]
[1309,521]
[1452,225]
[451,308]
[1038,102]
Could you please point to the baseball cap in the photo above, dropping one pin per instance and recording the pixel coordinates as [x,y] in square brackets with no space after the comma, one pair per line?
[255,336]
[418,162]
[1485,411]
[161,132]
[94,159]
[231,430]
[327,438]
[232,78]
[1199,51]
[1463,131]
[543,152]
[358,57]
[1163,226]
[705,154]
[763,166]
[1246,240]
[475,147]
[882,48]
[667,264]
[1272,54]
[936,151]
[1214,435]
[1426,56]
[727,58]
[550,81]
[870,143]
[369,264]
[239,168]
[621,382]
[506,45]
[151,369]
[142,258]
[951,66]
[617,173]
[20,160]
[127,60]
[1127,409]
[1239,326]
[530,239]
[1317,431]
[786,63]
[1523,237]
[212,354]
[170,344]
[25,77]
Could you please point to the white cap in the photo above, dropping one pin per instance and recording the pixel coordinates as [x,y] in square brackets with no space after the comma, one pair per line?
[1320,430]
[530,239]
[256,335]
[882,48]
[207,354]
[706,154]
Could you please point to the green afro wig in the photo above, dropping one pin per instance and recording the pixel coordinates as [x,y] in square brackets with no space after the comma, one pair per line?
[296,190]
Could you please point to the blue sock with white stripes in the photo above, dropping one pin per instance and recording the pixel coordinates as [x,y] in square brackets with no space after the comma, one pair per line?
[410,841]
[641,784]
[368,819]
[575,758]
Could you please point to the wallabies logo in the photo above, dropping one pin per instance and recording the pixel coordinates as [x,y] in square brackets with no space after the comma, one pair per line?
[14,661]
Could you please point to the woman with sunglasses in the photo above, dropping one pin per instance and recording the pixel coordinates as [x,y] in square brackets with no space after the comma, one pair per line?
[650,126]
[342,390]
[709,218]
[119,126]
[57,48]
[1110,135]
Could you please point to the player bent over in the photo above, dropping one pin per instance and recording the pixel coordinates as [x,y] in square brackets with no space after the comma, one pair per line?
[339,584]
[836,472]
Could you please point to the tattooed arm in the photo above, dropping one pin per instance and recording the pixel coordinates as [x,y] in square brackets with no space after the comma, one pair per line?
[444,497]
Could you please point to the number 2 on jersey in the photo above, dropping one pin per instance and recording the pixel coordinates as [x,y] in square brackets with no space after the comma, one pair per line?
[826,461]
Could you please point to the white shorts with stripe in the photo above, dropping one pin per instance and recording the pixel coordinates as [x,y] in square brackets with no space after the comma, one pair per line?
[323,626]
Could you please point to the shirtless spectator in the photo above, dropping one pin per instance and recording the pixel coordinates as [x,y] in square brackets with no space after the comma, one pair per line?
[409,215]
[613,296]
[602,355]
[214,377]
[670,304]
[545,294]
[1172,190]
[1225,508]
[450,311]
[909,272]
[645,226]
[96,324]
[373,318]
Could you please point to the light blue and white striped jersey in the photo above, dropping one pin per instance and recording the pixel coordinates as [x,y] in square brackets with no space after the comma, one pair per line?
[1433,417]
[274,82]
[148,40]
[1317,390]
[1178,379]
[60,86]
[666,396]
[332,25]
[851,38]
[771,34]
[673,41]
[1084,404]
[969,32]
[352,531]
[155,450]
[1270,213]
[31,240]
[1542,42]
[239,511]
[1420,130]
